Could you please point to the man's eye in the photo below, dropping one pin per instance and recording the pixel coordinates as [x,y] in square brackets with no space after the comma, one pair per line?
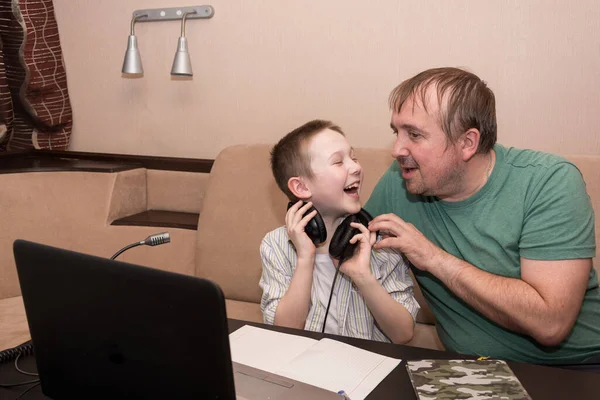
[395,133]
[413,135]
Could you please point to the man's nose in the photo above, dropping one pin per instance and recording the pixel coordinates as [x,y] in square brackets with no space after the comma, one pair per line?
[400,148]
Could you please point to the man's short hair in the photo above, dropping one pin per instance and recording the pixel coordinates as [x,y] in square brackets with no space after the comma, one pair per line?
[465,102]
[289,157]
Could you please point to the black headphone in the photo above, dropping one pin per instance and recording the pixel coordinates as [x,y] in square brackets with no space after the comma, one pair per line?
[340,247]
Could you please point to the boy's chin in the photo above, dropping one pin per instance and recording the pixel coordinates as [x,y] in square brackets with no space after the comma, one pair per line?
[355,209]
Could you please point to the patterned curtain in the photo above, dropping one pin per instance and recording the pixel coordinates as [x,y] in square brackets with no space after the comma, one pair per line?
[35,111]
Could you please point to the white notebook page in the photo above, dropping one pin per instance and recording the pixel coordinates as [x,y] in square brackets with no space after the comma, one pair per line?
[265,349]
[336,366]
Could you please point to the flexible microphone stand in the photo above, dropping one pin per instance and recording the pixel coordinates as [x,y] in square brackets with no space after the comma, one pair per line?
[152,240]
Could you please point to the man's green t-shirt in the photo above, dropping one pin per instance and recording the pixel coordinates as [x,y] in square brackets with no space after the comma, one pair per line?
[534,205]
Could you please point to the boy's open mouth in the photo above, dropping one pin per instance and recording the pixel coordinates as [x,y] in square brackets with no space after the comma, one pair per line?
[352,189]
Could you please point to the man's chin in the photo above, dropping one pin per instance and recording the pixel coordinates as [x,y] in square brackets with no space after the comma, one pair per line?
[413,188]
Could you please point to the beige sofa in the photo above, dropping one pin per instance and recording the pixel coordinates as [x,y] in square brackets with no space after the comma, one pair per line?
[238,204]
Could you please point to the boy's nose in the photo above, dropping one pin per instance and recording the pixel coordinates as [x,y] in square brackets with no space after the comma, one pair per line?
[355,168]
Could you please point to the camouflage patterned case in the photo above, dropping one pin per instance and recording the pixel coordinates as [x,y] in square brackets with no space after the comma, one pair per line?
[465,379]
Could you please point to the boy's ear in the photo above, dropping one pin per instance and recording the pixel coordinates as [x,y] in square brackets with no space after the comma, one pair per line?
[470,143]
[299,188]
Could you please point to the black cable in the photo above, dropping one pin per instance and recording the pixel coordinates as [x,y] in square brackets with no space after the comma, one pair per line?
[16,352]
[20,370]
[129,246]
[9,385]
[10,354]
[337,270]
[23,393]
[329,302]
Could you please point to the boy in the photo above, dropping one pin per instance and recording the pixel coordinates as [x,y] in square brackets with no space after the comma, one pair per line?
[372,297]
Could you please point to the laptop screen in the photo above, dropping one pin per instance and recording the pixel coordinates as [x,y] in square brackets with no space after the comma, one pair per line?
[108,329]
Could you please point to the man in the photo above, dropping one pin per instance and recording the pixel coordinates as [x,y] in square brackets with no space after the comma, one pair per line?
[501,239]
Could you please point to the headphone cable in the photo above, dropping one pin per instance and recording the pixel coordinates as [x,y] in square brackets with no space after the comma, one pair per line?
[337,270]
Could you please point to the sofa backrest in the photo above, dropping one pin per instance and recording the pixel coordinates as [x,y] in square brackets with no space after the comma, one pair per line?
[243,203]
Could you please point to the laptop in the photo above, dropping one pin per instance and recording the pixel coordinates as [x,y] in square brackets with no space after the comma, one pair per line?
[105,329]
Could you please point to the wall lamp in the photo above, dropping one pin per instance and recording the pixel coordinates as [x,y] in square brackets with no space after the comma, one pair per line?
[182,65]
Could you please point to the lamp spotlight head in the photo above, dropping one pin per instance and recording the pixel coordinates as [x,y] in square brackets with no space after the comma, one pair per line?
[132,64]
[182,65]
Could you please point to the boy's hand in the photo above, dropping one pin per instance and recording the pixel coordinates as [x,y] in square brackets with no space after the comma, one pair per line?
[358,268]
[295,225]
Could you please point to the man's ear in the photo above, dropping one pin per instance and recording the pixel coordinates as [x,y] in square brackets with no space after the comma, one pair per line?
[299,188]
[469,142]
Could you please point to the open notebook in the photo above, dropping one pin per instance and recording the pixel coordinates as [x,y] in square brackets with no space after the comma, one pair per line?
[325,363]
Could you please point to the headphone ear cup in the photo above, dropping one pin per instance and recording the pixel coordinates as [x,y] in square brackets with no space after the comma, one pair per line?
[364,217]
[315,228]
[340,246]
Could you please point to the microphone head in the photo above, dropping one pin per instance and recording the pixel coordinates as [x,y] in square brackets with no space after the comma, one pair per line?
[157,239]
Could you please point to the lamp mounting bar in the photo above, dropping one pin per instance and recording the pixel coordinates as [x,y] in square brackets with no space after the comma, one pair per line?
[173,13]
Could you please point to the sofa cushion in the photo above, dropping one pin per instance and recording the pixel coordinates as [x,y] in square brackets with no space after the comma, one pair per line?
[180,191]
[243,310]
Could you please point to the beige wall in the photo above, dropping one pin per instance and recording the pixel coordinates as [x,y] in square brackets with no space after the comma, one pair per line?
[261,68]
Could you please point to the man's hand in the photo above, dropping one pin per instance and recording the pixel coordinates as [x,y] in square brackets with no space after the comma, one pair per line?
[403,236]
[358,267]
[296,225]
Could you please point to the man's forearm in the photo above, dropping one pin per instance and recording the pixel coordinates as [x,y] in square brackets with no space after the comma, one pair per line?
[511,303]
[293,307]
